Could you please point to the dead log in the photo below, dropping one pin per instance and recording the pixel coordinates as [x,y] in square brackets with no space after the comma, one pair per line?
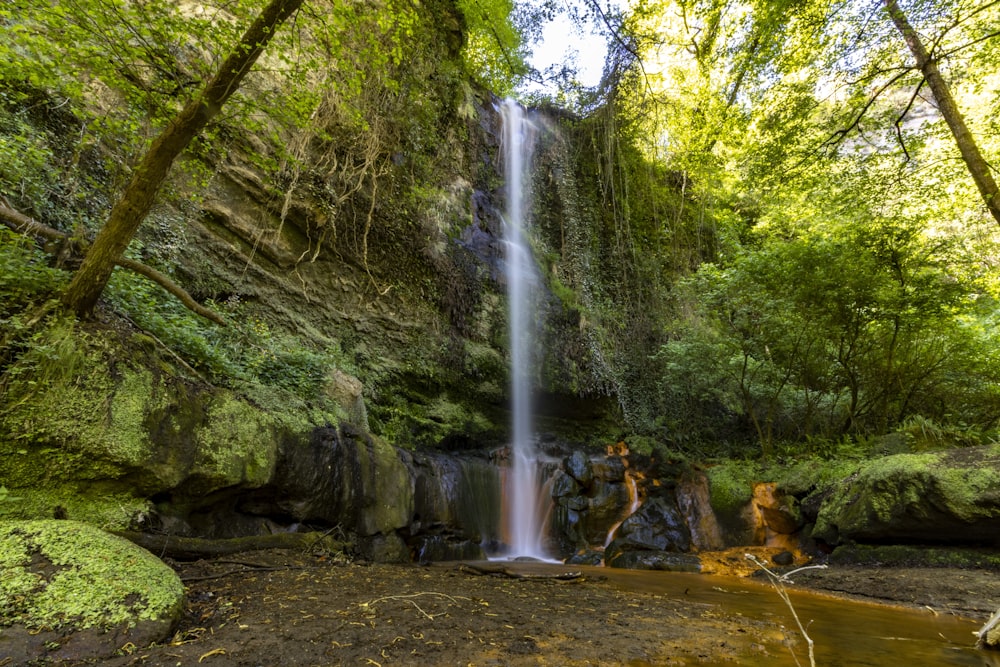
[497,570]
[989,635]
[192,548]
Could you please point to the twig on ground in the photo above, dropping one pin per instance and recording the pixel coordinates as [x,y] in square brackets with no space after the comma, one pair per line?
[409,599]
[779,581]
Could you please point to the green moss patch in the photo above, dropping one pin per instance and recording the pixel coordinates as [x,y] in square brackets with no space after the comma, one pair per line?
[57,574]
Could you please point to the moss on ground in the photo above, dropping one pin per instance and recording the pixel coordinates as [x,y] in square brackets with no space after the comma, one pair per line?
[904,555]
[67,573]
[102,505]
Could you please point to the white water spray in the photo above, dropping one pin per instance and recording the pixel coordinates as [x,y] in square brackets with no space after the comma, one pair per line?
[522,516]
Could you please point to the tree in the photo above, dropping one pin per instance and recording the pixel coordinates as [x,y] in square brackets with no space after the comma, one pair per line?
[136,201]
[927,63]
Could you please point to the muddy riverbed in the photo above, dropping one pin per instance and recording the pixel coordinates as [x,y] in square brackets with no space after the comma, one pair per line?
[285,608]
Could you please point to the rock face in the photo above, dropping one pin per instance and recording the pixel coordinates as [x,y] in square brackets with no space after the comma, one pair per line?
[939,497]
[657,529]
[70,591]
[394,504]
[590,497]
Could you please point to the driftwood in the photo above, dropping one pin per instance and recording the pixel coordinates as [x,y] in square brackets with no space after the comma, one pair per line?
[500,570]
[190,548]
[989,635]
[24,224]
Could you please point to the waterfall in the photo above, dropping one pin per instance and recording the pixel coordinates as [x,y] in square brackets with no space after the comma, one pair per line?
[522,514]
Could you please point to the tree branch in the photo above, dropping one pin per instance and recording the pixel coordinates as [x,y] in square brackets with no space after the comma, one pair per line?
[899,119]
[962,47]
[621,42]
[838,136]
[24,224]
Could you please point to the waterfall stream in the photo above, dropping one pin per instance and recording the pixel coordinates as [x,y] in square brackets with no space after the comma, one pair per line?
[522,514]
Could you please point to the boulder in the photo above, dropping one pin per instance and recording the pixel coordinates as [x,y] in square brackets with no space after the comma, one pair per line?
[657,526]
[656,560]
[339,477]
[579,467]
[70,591]
[947,497]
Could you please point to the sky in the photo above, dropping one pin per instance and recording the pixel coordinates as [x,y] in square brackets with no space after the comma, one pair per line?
[564,42]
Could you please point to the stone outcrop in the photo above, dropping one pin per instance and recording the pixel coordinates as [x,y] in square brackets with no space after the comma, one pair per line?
[657,528]
[590,497]
[938,497]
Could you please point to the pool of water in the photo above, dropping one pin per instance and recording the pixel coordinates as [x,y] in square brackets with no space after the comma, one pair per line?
[845,633]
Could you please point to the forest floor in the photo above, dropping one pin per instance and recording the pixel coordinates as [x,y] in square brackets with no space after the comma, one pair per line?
[282,608]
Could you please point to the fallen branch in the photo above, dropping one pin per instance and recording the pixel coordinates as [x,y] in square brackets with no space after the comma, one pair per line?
[24,224]
[220,575]
[409,599]
[988,637]
[779,581]
[504,571]
[190,548]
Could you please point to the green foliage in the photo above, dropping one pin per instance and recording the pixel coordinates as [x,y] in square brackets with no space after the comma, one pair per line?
[5,495]
[26,278]
[493,51]
[246,351]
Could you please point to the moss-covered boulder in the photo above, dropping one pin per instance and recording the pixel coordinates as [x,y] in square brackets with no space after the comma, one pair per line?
[938,497]
[96,446]
[70,591]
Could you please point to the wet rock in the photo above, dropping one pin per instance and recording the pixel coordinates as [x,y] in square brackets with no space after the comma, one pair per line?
[578,466]
[657,526]
[389,548]
[939,497]
[656,560]
[438,548]
[783,558]
[338,477]
[460,495]
[694,502]
[611,469]
[587,557]
[100,590]
[565,485]
[779,512]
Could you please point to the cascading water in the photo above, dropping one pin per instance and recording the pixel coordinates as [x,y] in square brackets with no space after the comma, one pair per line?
[521,510]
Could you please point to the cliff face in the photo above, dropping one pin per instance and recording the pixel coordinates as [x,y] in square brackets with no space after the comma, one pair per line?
[406,284]
[359,264]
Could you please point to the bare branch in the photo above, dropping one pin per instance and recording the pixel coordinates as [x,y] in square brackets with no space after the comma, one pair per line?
[902,116]
[838,136]
[621,42]
[24,224]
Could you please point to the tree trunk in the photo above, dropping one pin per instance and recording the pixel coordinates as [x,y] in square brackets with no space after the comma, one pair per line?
[977,166]
[195,547]
[90,279]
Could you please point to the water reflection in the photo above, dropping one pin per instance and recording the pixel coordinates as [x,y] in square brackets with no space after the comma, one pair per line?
[846,633]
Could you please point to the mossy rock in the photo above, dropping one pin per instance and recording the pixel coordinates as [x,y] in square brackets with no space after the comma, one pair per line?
[70,591]
[934,498]
[129,433]
[730,486]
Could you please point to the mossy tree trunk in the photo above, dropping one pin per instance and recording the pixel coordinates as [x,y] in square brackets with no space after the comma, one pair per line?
[91,278]
[927,63]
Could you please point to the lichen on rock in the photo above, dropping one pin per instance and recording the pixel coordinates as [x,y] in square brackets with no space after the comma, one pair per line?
[68,574]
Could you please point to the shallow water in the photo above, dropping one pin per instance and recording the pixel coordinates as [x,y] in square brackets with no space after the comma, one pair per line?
[846,633]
